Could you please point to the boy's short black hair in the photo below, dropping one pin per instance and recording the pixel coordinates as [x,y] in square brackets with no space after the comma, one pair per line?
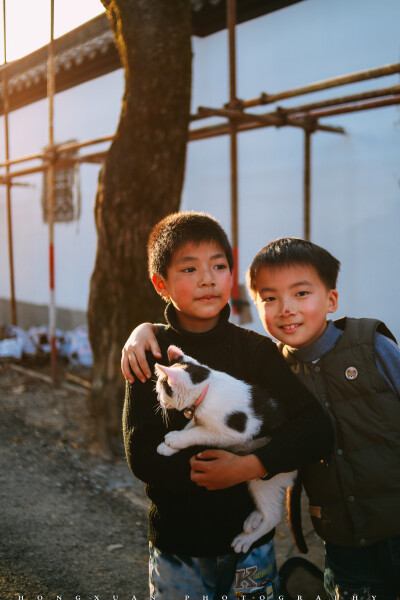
[294,251]
[178,229]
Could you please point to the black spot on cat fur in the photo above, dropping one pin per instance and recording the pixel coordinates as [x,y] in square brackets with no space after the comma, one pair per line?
[237,421]
[269,411]
[197,373]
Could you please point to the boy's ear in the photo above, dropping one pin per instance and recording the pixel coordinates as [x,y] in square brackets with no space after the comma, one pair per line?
[333,301]
[160,285]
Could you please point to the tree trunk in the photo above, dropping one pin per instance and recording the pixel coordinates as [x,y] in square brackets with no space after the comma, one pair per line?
[140,183]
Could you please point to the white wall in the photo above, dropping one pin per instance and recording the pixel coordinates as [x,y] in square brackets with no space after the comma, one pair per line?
[85,112]
[355,178]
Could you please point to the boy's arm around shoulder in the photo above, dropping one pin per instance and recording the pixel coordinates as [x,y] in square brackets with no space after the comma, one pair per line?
[307,435]
[143,430]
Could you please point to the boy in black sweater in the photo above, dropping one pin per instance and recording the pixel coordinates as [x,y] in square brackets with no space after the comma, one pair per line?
[190,527]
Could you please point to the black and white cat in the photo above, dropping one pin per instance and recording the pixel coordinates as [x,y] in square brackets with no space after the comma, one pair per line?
[229,413]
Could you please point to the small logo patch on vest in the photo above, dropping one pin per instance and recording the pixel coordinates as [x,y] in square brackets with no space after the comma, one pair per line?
[351,373]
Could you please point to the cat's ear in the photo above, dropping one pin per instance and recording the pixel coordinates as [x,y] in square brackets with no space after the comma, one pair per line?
[174,353]
[173,375]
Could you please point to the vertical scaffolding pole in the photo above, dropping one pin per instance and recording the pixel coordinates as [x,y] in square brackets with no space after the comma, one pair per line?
[231,25]
[307,185]
[50,198]
[8,184]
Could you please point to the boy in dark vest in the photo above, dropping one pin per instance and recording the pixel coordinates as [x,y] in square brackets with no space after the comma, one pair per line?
[353,367]
[191,528]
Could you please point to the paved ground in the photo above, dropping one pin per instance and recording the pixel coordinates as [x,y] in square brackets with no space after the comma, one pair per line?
[72,525]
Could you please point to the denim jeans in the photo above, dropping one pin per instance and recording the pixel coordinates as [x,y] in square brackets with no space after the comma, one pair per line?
[368,573]
[227,577]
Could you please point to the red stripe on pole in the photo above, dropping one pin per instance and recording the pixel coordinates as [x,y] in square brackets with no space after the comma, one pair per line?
[51,265]
[235,281]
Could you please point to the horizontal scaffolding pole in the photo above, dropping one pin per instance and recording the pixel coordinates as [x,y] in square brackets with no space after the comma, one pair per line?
[272,119]
[59,149]
[223,129]
[305,117]
[59,164]
[381,93]
[248,124]
[324,85]
[341,110]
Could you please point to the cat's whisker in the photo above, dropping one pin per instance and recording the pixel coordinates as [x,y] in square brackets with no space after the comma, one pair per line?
[164,413]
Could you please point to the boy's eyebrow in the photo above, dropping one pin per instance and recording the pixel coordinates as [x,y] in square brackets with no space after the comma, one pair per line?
[296,284]
[192,258]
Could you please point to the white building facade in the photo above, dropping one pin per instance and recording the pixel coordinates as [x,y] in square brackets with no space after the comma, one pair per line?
[355,183]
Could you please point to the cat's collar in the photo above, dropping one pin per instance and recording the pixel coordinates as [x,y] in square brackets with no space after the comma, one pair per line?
[189,412]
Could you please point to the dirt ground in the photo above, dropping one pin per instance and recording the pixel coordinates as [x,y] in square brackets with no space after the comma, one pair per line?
[72,525]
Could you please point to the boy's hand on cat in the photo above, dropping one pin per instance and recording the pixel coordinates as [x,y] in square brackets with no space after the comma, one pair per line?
[133,360]
[219,469]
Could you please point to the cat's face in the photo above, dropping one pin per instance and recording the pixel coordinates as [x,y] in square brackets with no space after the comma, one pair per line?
[180,384]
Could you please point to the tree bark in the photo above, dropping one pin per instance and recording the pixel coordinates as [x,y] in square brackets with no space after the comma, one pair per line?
[140,182]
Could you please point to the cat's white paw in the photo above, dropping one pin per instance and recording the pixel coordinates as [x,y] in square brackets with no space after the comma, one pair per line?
[165,450]
[172,439]
[242,542]
[252,522]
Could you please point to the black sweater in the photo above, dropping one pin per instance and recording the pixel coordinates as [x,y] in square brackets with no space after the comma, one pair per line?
[185,518]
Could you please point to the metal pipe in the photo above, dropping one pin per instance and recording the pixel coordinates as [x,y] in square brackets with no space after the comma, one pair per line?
[389,91]
[8,184]
[325,84]
[223,129]
[355,107]
[60,149]
[276,119]
[77,145]
[301,121]
[60,164]
[231,26]
[50,199]
[14,161]
[307,184]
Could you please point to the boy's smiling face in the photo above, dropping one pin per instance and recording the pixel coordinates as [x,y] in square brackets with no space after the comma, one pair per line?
[198,283]
[293,302]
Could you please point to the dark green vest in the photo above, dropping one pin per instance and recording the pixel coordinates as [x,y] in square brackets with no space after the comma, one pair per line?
[355,494]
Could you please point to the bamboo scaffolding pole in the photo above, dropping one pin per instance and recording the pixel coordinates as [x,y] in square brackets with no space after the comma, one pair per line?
[50,198]
[325,84]
[231,27]
[341,110]
[61,148]
[307,185]
[15,161]
[77,145]
[60,164]
[204,113]
[276,119]
[216,130]
[222,129]
[381,93]
[13,305]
